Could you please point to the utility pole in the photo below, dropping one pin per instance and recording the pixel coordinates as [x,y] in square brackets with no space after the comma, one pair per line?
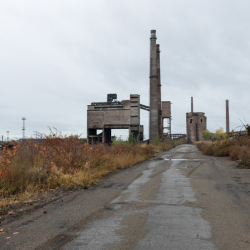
[23,127]
[8,135]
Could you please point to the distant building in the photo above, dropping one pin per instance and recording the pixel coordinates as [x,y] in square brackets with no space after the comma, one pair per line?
[196,123]
[113,114]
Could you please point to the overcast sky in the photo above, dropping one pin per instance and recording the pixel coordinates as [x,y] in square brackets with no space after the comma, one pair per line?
[57,56]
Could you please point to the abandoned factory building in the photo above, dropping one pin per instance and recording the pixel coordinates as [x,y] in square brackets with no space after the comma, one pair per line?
[196,123]
[113,114]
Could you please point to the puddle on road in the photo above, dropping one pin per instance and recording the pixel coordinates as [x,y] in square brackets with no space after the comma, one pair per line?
[184,159]
[166,159]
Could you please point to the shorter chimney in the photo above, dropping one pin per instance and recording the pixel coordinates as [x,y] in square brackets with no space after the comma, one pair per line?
[192,110]
[227,116]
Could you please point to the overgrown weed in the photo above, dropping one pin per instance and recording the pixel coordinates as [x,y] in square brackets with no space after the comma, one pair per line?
[55,161]
[237,148]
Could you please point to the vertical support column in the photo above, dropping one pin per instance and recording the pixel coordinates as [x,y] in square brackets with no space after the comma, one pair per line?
[196,132]
[153,120]
[192,110]
[107,135]
[90,133]
[227,116]
[103,135]
[159,90]
[170,127]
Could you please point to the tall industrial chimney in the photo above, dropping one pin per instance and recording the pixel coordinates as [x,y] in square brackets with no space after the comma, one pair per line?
[192,108]
[153,120]
[227,116]
[159,90]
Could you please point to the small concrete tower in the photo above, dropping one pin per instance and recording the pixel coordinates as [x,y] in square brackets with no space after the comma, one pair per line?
[196,123]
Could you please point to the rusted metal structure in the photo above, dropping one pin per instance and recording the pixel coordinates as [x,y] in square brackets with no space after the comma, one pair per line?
[112,114]
[227,116]
[196,123]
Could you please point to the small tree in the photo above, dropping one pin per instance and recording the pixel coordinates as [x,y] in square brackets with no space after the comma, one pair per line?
[247,129]
[117,141]
[206,135]
[131,139]
[220,134]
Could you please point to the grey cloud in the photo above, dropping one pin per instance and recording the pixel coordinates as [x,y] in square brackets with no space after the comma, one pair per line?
[57,57]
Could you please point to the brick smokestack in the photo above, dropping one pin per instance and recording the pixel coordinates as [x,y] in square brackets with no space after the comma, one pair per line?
[153,120]
[192,108]
[159,90]
[227,116]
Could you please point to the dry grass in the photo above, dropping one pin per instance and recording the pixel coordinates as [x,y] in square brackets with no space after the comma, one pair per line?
[38,168]
[237,148]
[61,161]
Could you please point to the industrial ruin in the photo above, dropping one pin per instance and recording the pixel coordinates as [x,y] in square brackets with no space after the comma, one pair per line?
[114,114]
[158,110]
[196,123]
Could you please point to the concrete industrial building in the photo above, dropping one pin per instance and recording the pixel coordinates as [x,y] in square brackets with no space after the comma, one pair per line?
[113,114]
[196,123]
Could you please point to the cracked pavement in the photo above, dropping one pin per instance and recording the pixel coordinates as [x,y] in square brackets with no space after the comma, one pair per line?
[179,199]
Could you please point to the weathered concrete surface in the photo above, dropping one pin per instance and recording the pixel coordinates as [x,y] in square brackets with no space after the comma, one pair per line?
[198,203]
[196,124]
[153,90]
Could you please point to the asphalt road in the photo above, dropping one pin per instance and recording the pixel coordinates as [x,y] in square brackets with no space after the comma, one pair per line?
[179,200]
